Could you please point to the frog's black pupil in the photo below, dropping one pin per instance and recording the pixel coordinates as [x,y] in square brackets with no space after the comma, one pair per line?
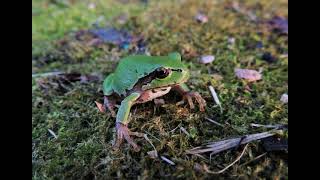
[162,73]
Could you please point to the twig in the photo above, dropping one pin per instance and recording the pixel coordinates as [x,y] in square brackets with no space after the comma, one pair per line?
[261,155]
[205,167]
[276,126]
[215,97]
[52,133]
[152,136]
[167,160]
[175,128]
[47,74]
[185,131]
[214,122]
[219,146]
[146,137]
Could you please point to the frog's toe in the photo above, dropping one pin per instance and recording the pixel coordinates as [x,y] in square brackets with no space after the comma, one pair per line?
[113,113]
[100,107]
[198,98]
[124,133]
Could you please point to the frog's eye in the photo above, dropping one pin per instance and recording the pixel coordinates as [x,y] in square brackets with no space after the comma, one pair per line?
[162,73]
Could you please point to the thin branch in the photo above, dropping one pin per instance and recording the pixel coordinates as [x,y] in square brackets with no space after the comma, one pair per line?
[205,167]
[258,157]
[219,146]
[47,74]
[214,122]
[276,126]
[215,97]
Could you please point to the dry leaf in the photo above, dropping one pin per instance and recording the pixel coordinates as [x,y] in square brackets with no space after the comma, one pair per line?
[248,74]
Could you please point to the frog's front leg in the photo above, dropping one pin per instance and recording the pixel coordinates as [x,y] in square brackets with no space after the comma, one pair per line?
[122,121]
[188,95]
[109,103]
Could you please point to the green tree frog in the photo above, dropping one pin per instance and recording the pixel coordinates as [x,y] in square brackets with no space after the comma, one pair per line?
[140,78]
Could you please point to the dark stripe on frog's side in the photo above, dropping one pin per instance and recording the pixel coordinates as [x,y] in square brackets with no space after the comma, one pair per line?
[146,80]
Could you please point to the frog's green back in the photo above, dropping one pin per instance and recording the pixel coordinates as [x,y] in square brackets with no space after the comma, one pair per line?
[132,68]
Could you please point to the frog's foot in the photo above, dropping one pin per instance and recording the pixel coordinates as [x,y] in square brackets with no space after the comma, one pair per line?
[189,95]
[124,133]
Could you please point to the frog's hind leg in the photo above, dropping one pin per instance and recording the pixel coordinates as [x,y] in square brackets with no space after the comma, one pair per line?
[122,122]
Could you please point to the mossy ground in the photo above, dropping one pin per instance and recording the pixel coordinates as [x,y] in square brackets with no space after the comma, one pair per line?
[83,149]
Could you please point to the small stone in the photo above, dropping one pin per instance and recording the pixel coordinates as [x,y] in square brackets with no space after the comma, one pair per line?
[91,6]
[284,98]
[231,40]
[206,59]
[201,18]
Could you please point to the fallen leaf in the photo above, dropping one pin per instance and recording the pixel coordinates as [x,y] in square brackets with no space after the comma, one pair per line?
[279,24]
[248,74]
[113,36]
[267,56]
[61,82]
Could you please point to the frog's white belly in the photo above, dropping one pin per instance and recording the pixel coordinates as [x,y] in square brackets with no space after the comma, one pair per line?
[152,94]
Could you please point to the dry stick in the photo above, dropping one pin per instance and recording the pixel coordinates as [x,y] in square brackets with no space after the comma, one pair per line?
[152,136]
[267,126]
[258,157]
[53,134]
[215,97]
[175,128]
[47,74]
[205,167]
[223,145]
[185,131]
[214,122]
[167,160]
[149,141]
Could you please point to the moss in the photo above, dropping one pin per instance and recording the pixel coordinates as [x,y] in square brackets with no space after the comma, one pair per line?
[83,149]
